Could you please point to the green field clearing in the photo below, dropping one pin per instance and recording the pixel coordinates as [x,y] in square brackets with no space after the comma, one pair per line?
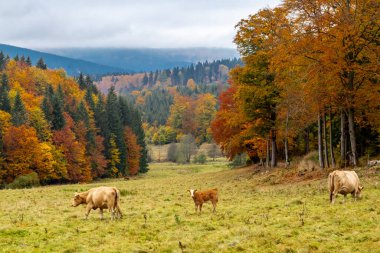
[257,212]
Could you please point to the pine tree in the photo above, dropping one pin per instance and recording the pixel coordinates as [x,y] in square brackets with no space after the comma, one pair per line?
[18,112]
[116,127]
[5,103]
[58,120]
[145,80]
[81,81]
[41,64]
[28,61]
[16,58]
[2,61]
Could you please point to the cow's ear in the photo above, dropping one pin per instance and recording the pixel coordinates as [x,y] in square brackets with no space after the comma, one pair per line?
[188,190]
[76,194]
[195,190]
[361,187]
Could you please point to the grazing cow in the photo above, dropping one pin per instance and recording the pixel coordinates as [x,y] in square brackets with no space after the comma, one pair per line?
[101,197]
[344,182]
[200,197]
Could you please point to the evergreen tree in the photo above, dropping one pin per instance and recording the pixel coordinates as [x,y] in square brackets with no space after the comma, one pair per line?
[89,99]
[58,121]
[16,58]
[145,80]
[18,111]
[81,81]
[5,103]
[41,64]
[2,61]
[22,59]
[151,79]
[28,61]
[88,81]
[116,127]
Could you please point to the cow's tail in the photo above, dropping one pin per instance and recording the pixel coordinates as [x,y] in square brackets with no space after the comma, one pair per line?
[331,185]
[117,201]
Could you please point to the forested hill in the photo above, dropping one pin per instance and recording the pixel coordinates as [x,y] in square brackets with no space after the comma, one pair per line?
[146,59]
[71,66]
[59,129]
[177,101]
[200,75]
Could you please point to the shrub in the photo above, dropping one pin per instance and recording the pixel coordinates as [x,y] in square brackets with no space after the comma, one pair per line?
[25,181]
[238,161]
[172,152]
[200,158]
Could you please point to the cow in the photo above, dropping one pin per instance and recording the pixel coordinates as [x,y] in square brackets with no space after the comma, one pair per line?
[200,197]
[344,182]
[100,197]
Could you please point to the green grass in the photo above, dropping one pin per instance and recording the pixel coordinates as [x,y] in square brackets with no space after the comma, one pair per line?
[253,215]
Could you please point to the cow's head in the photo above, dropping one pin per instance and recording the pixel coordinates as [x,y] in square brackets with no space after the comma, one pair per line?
[192,192]
[77,200]
[360,188]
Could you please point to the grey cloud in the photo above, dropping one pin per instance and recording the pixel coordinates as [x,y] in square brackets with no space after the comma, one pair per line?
[117,23]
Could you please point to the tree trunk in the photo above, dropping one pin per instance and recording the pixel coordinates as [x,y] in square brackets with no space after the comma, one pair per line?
[320,144]
[286,140]
[268,153]
[273,140]
[325,150]
[307,141]
[342,139]
[331,141]
[351,131]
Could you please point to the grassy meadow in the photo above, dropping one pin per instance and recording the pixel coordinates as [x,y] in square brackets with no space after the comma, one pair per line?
[258,211]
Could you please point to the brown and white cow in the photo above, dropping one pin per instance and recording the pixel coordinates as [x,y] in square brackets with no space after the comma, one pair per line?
[344,182]
[200,197]
[101,197]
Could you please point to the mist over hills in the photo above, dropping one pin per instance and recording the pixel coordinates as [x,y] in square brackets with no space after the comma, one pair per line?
[104,61]
[72,66]
[146,59]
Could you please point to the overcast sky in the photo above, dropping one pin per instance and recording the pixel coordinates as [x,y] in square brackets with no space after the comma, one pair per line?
[123,23]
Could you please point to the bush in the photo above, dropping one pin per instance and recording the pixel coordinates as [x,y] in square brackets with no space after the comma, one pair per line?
[172,152]
[238,161]
[25,181]
[200,158]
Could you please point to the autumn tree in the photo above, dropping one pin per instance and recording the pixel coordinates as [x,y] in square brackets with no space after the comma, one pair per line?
[133,151]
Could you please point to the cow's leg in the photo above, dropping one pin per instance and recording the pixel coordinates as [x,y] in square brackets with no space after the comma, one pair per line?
[344,199]
[200,208]
[101,213]
[118,211]
[112,210]
[214,206]
[196,208]
[332,197]
[88,209]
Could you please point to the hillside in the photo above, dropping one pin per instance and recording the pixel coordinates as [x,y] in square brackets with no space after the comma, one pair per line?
[54,129]
[72,66]
[258,211]
[146,59]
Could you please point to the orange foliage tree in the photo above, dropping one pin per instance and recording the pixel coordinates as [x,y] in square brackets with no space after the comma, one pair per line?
[133,151]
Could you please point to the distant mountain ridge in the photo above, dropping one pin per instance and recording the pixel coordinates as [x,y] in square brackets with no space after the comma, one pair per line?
[72,66]
[146,59]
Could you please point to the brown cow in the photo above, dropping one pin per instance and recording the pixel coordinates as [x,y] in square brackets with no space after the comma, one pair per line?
[101,197]
[344,182]
[200,197]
